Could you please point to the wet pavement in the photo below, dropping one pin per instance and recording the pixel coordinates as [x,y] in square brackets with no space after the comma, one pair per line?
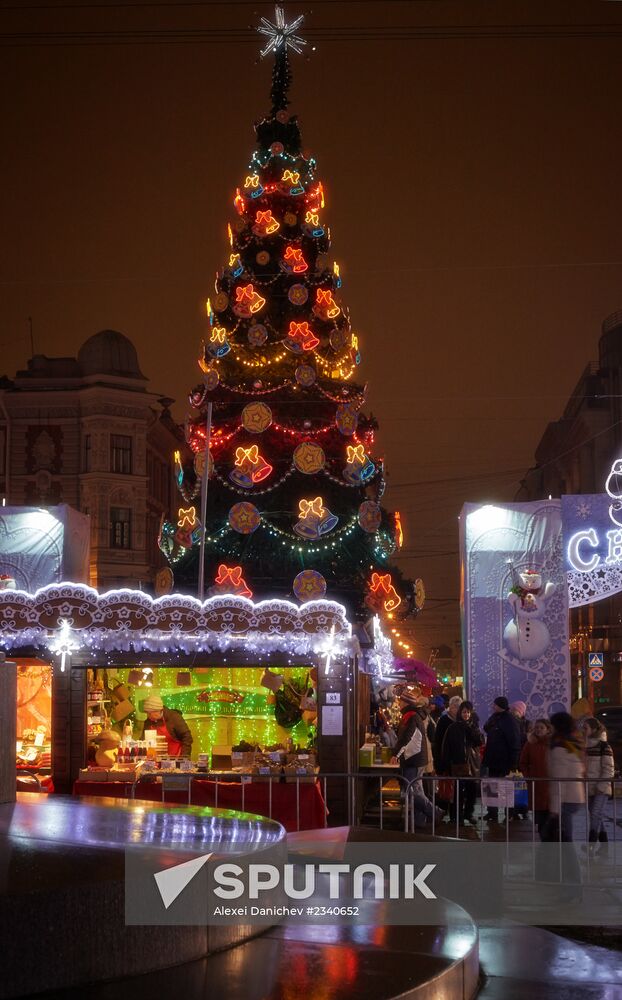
[519,962]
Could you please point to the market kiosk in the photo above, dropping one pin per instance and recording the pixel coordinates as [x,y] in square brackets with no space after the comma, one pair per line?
[268,690]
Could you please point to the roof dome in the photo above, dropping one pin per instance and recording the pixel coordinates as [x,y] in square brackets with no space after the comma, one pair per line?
[109,353]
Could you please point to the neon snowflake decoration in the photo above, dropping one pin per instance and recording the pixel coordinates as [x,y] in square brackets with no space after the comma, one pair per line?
[280,34]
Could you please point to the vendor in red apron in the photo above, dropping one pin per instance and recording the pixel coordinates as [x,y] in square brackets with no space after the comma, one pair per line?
[168,723]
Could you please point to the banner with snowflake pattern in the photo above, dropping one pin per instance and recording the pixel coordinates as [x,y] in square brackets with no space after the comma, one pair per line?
[515,606]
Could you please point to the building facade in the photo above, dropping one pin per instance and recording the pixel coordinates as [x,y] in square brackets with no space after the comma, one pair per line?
[87,432]
[574,456]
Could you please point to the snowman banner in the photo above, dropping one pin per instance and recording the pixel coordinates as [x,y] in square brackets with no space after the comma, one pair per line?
[515,606]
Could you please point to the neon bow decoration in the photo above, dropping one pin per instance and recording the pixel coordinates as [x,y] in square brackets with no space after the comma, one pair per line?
[293,258]
[291,175]
[235,265]
[311,507]
[218,335]
[252,181]
[314,519]
[312,217]
[382,586]
[187,518]
[301,333]
[231,580]
[243,455]
[356,454]
[179,469]
[267,222]
[325,303]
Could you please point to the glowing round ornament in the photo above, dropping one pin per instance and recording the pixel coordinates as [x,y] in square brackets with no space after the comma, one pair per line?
[256,417]
[244,518]
[298,295]
[263,258]
[309,585]
[257,335]
[290,219]
[199,464]
[309,458]
[370,516]
[212,378]
[339,339]
[277,148]
[346,419]
[321,262]
[305,375]
[221,302]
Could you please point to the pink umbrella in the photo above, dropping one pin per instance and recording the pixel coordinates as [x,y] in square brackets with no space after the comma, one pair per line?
[417,668]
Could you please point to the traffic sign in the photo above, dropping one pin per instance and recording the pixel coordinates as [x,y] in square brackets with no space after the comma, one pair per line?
[595,660]
[596,674]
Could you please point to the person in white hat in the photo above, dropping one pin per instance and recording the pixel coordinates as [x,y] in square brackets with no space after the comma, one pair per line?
[170,723]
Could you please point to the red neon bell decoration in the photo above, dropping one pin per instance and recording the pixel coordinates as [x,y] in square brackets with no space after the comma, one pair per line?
[301,335]
[383,591]
[230,581]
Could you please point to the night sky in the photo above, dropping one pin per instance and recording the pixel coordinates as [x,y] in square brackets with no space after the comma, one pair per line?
[473,195]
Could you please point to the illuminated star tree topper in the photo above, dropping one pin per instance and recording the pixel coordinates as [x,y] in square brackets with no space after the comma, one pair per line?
[281,37]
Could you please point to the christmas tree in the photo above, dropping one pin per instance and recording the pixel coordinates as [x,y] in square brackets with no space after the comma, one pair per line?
[293,488]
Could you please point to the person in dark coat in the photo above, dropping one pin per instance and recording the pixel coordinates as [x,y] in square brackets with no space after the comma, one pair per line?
[449,715]
[503,746]
[460,758]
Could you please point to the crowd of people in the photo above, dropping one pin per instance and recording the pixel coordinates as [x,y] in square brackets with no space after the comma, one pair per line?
[562,760]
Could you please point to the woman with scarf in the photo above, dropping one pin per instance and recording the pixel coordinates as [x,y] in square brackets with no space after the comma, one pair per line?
[566,767]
